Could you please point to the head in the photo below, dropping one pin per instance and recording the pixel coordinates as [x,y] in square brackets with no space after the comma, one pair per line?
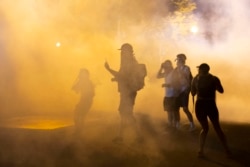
[83,73]
[203,68]
[127,54]
[181,59]
[126,47]
[167,64]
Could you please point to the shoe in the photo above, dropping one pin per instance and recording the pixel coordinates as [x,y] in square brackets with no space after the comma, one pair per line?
[177,125]
[118,139]
[192,127]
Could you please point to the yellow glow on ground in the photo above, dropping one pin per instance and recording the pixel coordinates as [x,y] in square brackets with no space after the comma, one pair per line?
[33,122]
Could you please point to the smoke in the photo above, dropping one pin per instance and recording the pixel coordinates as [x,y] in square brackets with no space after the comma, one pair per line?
[37,75]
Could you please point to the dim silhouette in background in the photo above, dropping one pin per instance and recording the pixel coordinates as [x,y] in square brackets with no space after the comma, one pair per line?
[166,71]
[130,79]
[185,79]
[85,88]
[204,86]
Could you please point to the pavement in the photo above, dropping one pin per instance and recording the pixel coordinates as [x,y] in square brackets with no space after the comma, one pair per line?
[23,145]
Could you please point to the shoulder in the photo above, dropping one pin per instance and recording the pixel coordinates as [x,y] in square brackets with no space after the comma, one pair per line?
[216,79]
[195,79]
[213,77]
[186,67]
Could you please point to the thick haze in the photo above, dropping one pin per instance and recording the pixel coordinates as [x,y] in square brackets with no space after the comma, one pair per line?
[36,75]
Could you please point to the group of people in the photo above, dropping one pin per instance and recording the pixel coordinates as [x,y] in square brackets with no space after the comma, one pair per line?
[178,84]
[177,89]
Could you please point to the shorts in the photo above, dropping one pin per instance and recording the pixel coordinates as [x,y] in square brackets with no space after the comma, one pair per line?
[182,99]
[206,108]
[127,101]
[169,104]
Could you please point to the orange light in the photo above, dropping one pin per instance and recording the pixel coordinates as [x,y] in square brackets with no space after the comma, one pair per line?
[36,122]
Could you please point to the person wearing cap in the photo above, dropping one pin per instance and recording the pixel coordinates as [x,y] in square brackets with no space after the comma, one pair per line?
[184,74]
[169,100]
[127,93]
[204,86]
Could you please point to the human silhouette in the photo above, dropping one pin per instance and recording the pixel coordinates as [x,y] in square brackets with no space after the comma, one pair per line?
[185,78]
[83,86]
[166,71]
[204,86]
[127,89]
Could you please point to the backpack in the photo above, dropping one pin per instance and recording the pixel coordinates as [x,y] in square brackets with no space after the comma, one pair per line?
[137,77]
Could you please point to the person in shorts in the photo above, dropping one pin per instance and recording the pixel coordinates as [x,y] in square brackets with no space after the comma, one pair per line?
[169,101]
[185,77]
[127,92]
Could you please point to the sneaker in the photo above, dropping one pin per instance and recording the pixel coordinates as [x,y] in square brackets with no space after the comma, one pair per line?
[192,127]
[177,125]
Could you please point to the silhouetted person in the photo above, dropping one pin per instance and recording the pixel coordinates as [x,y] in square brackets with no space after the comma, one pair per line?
[205,85]
[185,78]
[124,78]
[166,71]
[83,86]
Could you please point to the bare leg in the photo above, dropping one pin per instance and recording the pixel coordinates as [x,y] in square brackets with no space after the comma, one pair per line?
[171,118]
[221,135]
[203,136]
[190,118]
[188,113]
[119,137]
[177,118]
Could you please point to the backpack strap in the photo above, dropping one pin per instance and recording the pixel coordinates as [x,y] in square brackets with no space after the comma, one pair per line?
[193,104]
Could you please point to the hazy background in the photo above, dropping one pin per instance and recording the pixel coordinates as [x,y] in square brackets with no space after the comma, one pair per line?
[36,74]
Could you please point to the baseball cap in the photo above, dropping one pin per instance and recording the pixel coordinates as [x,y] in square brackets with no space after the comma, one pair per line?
[204,67]
[126,46]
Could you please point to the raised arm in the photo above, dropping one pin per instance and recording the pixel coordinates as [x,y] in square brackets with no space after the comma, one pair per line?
[113,72]
[161,73]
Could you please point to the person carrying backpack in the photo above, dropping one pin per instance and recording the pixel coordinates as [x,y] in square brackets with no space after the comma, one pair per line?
[130,79]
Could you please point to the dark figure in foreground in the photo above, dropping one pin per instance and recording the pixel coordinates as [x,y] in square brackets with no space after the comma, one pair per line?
[185,78]
[169,102]
[130,79]
[205,85]
[85,88]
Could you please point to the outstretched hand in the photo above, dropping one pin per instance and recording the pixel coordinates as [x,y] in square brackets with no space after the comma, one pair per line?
[106,65]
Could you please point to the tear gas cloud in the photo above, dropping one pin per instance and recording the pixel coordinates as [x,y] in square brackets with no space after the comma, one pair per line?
[44,44]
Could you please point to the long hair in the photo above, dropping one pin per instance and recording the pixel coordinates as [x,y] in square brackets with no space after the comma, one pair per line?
[127,60]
